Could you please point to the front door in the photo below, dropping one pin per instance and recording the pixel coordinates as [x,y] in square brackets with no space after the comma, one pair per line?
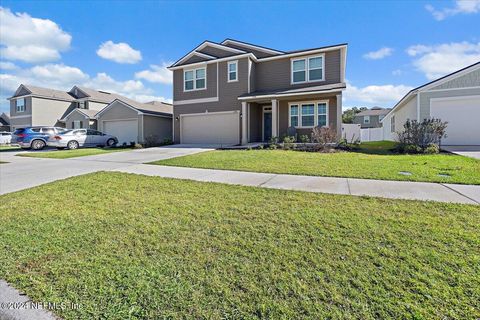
[267,126]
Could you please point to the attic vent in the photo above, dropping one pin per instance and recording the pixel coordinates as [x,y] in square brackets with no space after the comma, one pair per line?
[104,92]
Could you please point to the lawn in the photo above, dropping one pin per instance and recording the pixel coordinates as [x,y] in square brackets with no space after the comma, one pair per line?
[65,154]
[8,148]
[150,248]
[372,161]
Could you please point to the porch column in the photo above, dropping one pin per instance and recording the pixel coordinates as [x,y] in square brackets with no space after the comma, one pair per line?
[274,118]
[339,116]
[244,122]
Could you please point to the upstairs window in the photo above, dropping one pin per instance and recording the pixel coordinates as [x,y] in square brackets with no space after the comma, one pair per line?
[308,69]
[232,71]
[366,119]
[20,105]
[195,79]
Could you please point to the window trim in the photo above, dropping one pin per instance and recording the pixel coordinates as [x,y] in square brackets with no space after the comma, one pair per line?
[392,124]
[79,123]
[365,118]
[24,107]
[315,113]
[194,79]
[235,62]
[307,68]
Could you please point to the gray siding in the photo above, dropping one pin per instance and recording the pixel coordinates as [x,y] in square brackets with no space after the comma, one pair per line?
[374,122]
[471,79]
[228,99]
[157,128]
[77,116]
[119,112]
[209,92]
[194,59]
[426,96]
[275,74]
[28,107]
[46,112]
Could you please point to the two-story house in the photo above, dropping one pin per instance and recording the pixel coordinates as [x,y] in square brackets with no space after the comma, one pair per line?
[235,92]
[371,118]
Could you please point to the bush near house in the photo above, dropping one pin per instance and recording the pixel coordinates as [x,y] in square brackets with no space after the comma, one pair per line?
[421,137]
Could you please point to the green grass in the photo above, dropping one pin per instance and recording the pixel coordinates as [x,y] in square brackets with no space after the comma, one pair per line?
[8,148]
[372,161]
[3,162]
[151,248]
[65,154]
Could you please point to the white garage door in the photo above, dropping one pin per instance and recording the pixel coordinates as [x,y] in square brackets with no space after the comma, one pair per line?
[126,131]
[463,117]
[212,127]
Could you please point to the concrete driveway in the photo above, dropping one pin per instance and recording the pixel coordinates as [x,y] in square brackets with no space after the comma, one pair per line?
[467,151]
[22,172]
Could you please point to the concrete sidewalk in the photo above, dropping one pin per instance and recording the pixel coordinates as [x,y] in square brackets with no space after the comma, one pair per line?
[453,193]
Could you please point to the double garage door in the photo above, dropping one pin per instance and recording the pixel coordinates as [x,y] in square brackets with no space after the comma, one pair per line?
[463,117]
[210,128]
[126,131]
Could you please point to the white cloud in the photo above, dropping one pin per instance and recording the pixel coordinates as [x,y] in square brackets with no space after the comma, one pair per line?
[31,39]
[439,60]
[397,72]
[379,54]
[375,94]
[4,65]
[461,6]
[157,74]
[119,52]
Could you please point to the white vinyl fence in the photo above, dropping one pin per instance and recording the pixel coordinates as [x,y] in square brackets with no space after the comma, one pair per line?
[371,134]
[350,132]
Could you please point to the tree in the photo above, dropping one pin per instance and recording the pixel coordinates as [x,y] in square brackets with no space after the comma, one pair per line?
[349,114]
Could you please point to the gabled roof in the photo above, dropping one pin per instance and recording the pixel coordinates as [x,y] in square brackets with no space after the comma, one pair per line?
[436,82]
[97,95]
[43,92]
[161,106]
[143,108]
[373,112]
[87,113]
[4,119]
[252,46]
[208,57]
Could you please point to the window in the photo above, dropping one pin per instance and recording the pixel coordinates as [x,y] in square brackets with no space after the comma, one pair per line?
[20,105]
[322,114]
[82,105]
[77,124]
[194,79]
[294,115]
[308,69]
[232,71]
[392,124]
[308,114]
[366,119]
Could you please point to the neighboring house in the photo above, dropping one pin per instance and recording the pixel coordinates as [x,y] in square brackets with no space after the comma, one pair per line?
[36,106]
[132,121]
[235,92]
[454,98]
[87,108]
[4,122]
[370,118]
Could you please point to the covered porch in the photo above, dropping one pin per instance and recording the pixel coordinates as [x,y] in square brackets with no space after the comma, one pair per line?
[265,115]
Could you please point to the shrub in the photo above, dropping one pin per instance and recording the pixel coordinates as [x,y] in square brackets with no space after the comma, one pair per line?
[304,138]
[432,149]
[151,141]
[137,146]
[272,144]
[422,134]
[324,137]
[288,142]
[411,148]
[167,141]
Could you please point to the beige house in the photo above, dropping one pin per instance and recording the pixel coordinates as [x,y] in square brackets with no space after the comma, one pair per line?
[454,98]
[235,92]
[81,107]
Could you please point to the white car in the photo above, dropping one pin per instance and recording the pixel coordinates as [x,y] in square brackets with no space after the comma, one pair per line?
[5,137]
[73,139]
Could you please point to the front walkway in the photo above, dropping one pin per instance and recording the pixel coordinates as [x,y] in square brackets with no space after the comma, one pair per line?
[453,193]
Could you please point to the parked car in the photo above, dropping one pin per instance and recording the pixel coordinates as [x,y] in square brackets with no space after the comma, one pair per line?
[5,137]
[35,138]
[73,139]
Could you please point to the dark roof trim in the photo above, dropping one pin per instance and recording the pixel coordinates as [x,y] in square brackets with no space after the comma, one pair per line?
[318,48]
[253,45]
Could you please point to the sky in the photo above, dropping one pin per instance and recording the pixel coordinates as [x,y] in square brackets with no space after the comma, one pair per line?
[125,46]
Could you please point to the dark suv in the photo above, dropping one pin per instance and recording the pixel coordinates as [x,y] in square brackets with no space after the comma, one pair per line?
[35,137]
